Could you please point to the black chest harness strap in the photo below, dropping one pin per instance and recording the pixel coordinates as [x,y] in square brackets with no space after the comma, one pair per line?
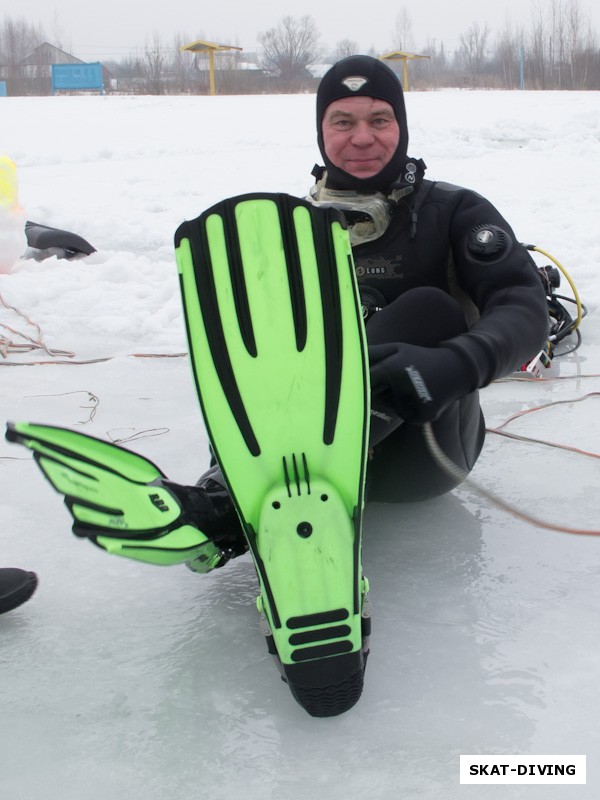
[419,197]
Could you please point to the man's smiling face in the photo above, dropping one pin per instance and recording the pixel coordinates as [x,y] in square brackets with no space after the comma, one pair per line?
[360,135]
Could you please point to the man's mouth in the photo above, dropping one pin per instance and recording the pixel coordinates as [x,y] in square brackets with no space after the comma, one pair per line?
[362,162]
[361,165]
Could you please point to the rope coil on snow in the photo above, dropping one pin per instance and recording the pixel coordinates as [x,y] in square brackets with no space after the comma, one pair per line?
[9,345]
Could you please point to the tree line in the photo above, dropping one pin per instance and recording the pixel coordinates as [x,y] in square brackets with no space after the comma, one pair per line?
[557,49]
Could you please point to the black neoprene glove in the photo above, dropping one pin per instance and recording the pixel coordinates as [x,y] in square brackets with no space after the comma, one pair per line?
[420,381]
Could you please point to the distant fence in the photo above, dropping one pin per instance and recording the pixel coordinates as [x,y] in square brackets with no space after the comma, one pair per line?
[77,77]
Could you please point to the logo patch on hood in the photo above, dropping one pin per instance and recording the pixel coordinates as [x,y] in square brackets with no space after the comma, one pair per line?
[354,82]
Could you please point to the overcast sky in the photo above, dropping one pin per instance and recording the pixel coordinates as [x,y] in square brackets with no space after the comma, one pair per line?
[114,28]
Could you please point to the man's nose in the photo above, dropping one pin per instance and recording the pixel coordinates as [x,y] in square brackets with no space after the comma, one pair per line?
[362,134]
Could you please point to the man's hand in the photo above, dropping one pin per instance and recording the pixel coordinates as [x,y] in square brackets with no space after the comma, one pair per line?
[421,381]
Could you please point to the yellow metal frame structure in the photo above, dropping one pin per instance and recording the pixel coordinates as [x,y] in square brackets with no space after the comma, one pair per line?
[211,48]
[404,57]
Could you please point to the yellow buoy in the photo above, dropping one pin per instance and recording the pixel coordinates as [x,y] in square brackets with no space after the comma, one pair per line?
[12,231]
[9,187]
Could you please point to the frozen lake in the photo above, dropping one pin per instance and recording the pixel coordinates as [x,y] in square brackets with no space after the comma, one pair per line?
[123,679]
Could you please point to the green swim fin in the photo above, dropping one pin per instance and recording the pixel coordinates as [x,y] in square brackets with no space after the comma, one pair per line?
[279,358]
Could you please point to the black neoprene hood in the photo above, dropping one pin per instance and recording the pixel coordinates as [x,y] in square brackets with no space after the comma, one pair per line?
[363,76]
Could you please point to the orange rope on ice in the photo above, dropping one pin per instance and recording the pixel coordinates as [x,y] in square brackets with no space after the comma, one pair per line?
[62,362]
[463,477]
[522,378]
[529,518]
[498,430]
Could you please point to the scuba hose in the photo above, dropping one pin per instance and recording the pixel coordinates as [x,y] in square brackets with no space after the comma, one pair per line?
[580,307]
[562,322]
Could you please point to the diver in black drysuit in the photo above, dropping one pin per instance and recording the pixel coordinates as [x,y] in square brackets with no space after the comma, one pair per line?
[452,300]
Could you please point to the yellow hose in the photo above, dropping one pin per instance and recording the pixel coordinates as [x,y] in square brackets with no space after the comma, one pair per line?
[577,322]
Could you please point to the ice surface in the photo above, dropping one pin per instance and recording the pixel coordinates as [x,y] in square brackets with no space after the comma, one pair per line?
[120,680]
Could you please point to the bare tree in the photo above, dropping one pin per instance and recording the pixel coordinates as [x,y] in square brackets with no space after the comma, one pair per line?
[403,37]
[18,39]
[181,65]
[507,55]
[536,50]
[154,65]
[428,71]
[579,42]
[556,56]
[289,48]
[345,48]
[471,53]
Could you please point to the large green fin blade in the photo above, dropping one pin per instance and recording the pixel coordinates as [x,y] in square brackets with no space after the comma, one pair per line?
[278,353]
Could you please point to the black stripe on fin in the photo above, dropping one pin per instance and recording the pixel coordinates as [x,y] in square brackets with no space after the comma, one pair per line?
[236,271]
[286,205]
[330,297]
[195,232]
[320,618]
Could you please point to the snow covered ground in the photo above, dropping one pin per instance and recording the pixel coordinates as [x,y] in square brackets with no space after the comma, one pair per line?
[123,680]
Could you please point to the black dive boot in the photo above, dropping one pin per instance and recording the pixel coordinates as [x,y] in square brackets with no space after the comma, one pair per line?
[208,505]
[16,586]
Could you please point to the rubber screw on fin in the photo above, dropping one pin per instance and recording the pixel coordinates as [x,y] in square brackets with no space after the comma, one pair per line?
[304,530]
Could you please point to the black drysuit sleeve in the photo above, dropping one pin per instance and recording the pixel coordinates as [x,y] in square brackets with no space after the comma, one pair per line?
[505,287]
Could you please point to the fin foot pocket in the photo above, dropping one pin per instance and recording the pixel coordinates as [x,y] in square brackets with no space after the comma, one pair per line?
[329,686]
[326,686]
